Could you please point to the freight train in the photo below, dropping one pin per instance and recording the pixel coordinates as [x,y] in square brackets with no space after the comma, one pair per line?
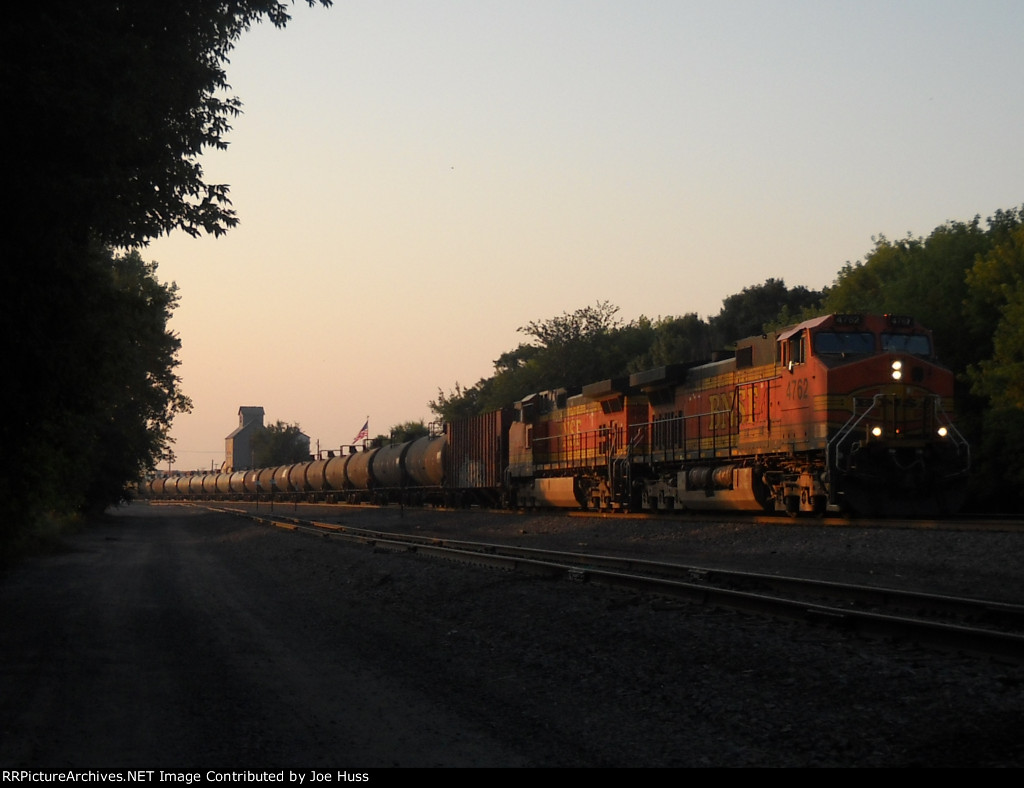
[843,413]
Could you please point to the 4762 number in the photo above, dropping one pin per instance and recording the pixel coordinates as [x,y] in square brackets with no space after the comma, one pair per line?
[798,388]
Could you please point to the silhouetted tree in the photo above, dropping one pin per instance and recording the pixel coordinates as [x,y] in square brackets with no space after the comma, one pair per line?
[402,433]
[279,444]
[749,312]
[108,106]
[676,340]
[112,104]
[459,403]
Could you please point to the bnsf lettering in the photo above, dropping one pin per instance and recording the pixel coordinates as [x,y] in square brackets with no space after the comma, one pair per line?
[722,405]
[571,429]
[737,407]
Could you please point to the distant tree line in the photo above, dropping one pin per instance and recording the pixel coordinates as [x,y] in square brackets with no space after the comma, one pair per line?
[592,344]
[965,281]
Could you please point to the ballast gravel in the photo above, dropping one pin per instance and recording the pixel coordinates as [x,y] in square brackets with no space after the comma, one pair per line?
[580,676]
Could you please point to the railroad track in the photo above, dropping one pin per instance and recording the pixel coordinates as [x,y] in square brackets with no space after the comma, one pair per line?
[966,522]
[975,626]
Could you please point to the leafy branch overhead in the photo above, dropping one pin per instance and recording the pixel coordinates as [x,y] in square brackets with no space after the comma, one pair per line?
[116,102]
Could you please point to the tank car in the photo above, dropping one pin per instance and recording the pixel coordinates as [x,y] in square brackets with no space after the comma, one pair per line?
[424,467]
[424,461]
[335,477]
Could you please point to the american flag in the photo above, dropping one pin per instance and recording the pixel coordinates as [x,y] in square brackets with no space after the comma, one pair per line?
[364,433]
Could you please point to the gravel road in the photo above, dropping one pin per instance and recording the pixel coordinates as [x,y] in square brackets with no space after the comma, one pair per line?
[170,638]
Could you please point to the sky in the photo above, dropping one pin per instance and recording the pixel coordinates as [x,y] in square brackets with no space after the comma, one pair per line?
[416,181]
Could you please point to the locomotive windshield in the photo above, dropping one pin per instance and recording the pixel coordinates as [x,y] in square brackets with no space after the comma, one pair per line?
[915,344]
[844,343]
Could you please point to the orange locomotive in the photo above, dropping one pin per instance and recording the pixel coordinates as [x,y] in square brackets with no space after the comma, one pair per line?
[839,413]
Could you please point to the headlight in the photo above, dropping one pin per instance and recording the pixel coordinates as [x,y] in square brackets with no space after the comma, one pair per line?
[897,369]
[943,432]
[876,431]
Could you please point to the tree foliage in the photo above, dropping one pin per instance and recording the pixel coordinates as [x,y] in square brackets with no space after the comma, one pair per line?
[459,403]
[96,400]
[748,312]
[108,107]
[673,340]
[115,103]
[568,350]
[923,277]
[402,433]
[592,343]
[279,444]
[994,310]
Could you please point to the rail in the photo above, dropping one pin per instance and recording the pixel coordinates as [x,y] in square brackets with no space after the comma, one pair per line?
[978,626]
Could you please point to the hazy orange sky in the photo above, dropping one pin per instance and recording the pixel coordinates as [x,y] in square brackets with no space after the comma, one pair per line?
[416,180]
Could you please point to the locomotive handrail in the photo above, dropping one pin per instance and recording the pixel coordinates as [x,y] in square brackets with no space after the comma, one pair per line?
[638,435]
[955,435]
[832,448]
[721,438]
[853,421]
[577,446]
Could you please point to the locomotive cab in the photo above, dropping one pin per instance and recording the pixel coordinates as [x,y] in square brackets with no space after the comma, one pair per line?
[880,406]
